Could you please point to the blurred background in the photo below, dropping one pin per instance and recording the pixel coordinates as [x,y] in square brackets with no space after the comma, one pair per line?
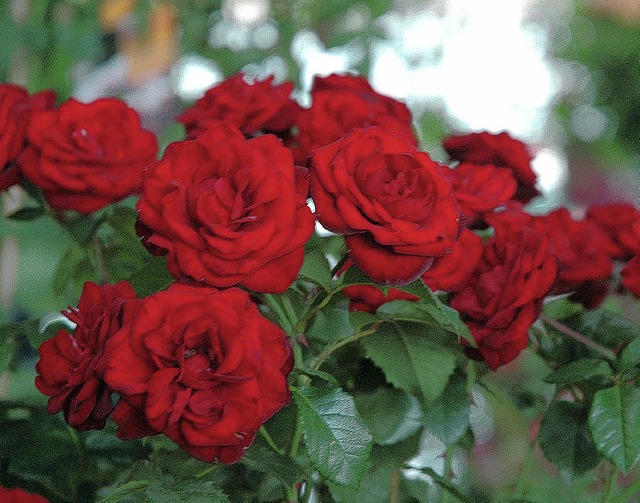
[562,75]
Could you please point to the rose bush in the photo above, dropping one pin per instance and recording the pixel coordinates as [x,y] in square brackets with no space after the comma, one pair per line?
[245,357]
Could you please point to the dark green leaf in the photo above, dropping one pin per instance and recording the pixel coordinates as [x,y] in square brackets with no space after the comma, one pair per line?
[84,227]
[630,356]
[392,415]
[565,439]
[579,370]
[27,214]
[336,438]
[410,360]
[265,460]
[73,265]
[152,277]
[332,322]
[127,489]
[615,425]
[354,276]
[315,268]
[448,417]
[359,319]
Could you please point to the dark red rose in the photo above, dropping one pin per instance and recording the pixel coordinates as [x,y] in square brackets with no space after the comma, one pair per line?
[229,211]
[393,202]
[504,295]
[15,109]
[203,366]
[480,188]
[502,151]
[450,271]
[343,102]
[631,276]
[368,298]
[621,223]
[86,156]
[257,107]
[69,366]
[18,495]
[581,248]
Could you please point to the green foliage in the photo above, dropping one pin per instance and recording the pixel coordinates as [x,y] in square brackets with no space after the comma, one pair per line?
[565,438]
[335,436]
[615,424]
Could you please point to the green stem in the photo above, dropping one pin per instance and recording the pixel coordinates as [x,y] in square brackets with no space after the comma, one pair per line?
[101,265]
[442,482]
[265,434]
[627,493]
[611,484]
[562,328]
[273,303]
[319,360]
[295,440]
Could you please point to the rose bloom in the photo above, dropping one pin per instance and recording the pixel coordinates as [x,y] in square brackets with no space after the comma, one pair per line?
[451,271]
[393,203]
[480,188]
[229,211]
[631,276]
[15,109]
[18,495]
[69,366]
[504,295]
[204,367]
[86,156]
[368,298]
[581,248]
[343,102]
[502,151]
[256,107]
[621,223]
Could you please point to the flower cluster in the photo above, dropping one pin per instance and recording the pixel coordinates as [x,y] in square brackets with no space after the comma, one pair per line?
[227,207]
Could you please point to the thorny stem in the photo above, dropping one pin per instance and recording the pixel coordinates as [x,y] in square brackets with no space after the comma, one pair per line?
[319,360]
[442,482]
[561,327]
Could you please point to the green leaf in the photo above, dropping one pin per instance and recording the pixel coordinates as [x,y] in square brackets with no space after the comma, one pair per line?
[27,214]
[445,316]
[83,227]
[448,417]
[630,356]
[152,277]
[615,425]
[127,489]
[332,322]
[315,268]
[74,266]
[354,276]
[579,370]
[392,415]
[410,360]
[265,460]
[359,319]
[565,439]
[335,436]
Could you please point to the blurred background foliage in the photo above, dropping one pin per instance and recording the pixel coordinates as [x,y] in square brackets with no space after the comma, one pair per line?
[562,75]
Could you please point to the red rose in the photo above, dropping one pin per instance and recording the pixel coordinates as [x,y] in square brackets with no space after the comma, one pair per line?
[480,188]
[503,297]
[450,271]
[86,156]
[228,211]
[68,369]
[502,151]
[621,223]
[18,495]
[343,102]
[258,107]
[15,108]
[204,367]
[368,298]
[631,276]
[581,248]
[393,203]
